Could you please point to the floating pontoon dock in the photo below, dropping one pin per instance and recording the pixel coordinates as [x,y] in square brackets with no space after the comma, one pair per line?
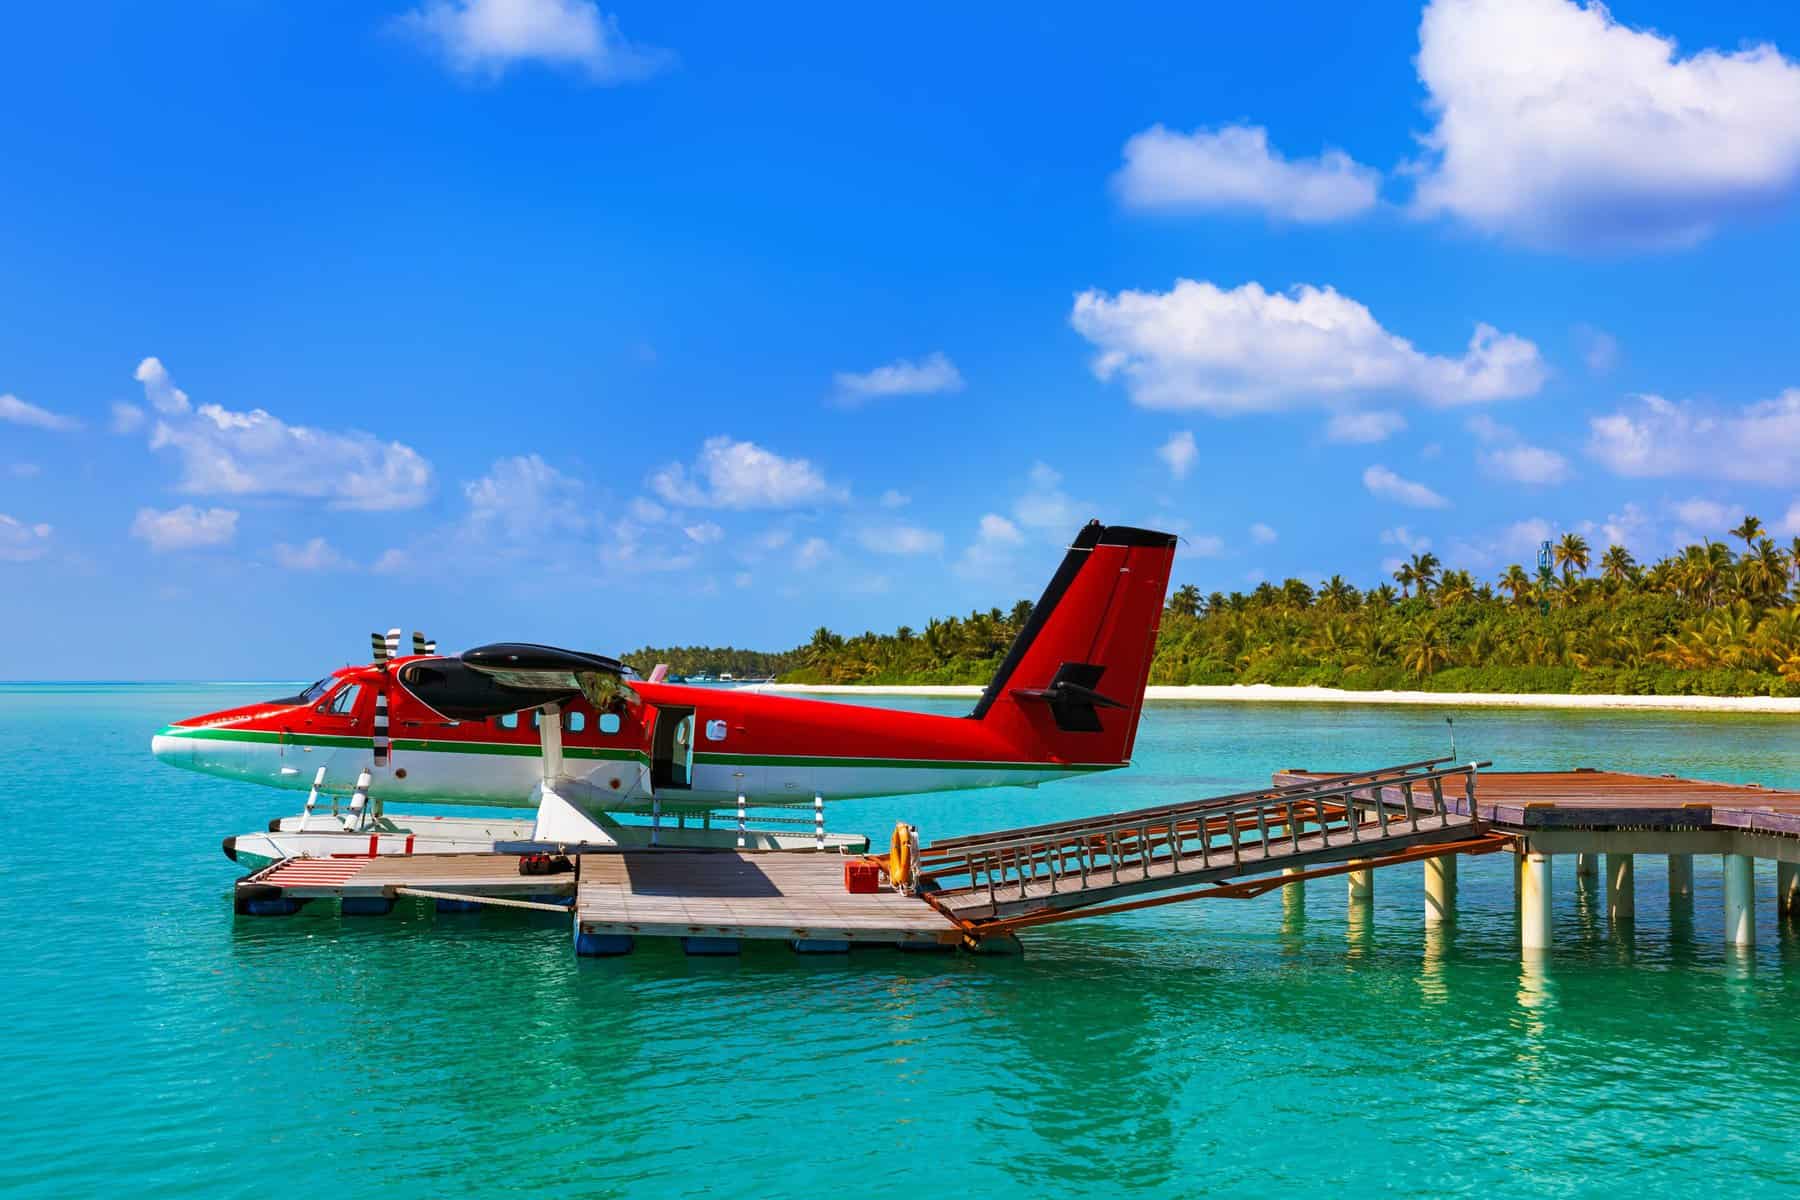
[979,890]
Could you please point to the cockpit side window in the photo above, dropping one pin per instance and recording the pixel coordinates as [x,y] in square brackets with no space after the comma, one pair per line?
[316,691]
[344,703]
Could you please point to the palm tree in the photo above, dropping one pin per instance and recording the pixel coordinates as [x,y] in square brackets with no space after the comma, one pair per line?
[1426,650]
[1336,595]
[1571,554]
[1405,576]
[1424,569]
[1380,596]
[1456,587]
[1617,566]
[1749,531]
[1517,584]
[1185,602]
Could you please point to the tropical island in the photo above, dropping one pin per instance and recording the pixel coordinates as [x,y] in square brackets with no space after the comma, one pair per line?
[1705,621]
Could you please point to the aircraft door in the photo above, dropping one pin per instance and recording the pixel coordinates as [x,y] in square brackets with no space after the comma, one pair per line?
[672,750]
[347,712]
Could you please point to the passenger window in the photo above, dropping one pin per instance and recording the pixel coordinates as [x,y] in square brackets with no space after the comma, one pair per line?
[509,721]
[344,703]
[576,721]
[609,723]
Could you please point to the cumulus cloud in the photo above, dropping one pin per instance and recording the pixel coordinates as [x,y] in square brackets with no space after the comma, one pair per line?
[485,37]
[902,377]
[1262,534]
[1659,438]
[810,553]
[184,528]
[15,411]
[704,533]
[895,499]
[1234,168]
[1203,545]
[1507,456]
[315,554]
[1517,542]
[1364,426]
[1406,539]
[1599,349]
[898,538]
[1384,483]
[393,562]
[20,542]
[1198,346]
[1558,126]
[522,500]
[1045,506]
[1179,453]
[991,552]
[730,474]
[1706,516]
[228,453]
[126,418]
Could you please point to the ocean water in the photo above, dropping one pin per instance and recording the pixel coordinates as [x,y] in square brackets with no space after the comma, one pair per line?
[153,1043]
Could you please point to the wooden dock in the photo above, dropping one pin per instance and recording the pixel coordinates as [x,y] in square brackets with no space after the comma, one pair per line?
[978,889]
[699,894]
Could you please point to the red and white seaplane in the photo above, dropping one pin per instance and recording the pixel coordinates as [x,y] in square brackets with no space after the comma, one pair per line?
[595,750]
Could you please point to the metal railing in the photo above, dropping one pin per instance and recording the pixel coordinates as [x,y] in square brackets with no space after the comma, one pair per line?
[1242,833]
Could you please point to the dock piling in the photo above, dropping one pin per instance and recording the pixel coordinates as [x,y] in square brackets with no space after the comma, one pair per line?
[1621,893]
[1362,884]
[1587,868]
[1440,889]
[1681,876]
[1740,900]
[1534,902]
[1787,889]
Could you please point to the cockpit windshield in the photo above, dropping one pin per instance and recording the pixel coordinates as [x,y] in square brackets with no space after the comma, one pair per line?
[309,695]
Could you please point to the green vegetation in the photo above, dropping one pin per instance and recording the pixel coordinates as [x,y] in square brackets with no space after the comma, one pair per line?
[1705,621]
[712,660]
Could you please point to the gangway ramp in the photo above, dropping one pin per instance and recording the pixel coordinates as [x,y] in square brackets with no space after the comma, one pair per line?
[1032,875]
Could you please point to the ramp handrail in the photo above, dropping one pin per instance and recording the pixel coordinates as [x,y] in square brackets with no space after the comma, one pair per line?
[1243,831]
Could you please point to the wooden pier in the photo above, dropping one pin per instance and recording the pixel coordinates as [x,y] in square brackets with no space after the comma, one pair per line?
[978,890]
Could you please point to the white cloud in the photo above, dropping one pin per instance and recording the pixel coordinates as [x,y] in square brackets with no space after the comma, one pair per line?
[1506,456]
[1404,538]
[1599,349]
[895,499]
[1364,426]
[523,500]
[1234,168]
[20,542]
[1557,126]
[1658,438]
[990,554]
[900,539]
[1045,506]
[1518,542]
[184,528]
[1389,486]
[811,552]
[126,418]
[1203,545]
[1247,350]
[1179,452]
[1630,527]
[730,474]
[485,37]
[742,579]
[705,533]
[1525,464]
[1790,523]
[1263,535]
[229,453]
[903,377]
[315,554]
[393,562]
[15,411]
[1707,516]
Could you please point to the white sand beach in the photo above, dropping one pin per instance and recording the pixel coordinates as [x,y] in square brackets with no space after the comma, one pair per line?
[1258,693]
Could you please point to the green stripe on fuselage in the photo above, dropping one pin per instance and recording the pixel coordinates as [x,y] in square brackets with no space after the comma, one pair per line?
[709,758]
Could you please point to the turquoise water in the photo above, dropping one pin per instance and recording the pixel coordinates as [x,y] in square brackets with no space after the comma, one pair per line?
[153,1042]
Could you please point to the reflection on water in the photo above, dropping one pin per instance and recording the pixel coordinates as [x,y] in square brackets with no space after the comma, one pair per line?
[1164,1053]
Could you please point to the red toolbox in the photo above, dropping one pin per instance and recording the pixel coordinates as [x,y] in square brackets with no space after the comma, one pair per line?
[861,877]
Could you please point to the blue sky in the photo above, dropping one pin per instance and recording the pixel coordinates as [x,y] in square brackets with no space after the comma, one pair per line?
[531,319]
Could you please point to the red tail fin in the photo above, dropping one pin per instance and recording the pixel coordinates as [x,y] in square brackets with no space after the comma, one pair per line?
[1072,686]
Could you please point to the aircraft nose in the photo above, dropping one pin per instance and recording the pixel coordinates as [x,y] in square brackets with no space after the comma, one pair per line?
[172,749]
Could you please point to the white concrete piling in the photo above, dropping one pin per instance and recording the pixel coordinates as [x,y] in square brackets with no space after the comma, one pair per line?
[1787,889]
[1362,884]
[1681,876]
[1621,894]
[1587,866]
[1534,902]
[1440,889]
[1740,900]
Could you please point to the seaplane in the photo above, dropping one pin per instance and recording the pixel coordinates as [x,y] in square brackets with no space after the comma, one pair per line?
[603,757]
